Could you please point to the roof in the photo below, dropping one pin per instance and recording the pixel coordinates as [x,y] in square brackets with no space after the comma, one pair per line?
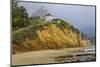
[48,14]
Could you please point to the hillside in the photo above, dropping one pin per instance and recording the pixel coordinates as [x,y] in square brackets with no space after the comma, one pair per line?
[48,35]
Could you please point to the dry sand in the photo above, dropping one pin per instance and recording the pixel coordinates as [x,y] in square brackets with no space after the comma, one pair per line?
[41,57]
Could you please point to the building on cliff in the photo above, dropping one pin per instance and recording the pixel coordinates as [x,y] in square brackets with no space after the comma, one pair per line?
[49,17]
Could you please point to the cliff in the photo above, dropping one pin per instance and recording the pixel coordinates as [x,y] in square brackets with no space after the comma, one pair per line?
[50,35]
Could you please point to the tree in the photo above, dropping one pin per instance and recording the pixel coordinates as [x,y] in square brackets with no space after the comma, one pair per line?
[83,36]
[78,36]
[37,20]
[41,12]
[19,16]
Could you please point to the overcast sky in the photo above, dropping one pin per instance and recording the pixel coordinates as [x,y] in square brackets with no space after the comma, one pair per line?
[82,17]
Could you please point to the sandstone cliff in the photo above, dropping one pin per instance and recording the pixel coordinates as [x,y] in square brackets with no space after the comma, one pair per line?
[47,36]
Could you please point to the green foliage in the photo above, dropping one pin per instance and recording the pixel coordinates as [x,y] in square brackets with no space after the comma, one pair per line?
[64,23]
[36,20]
[19,16]
[23,34]
[93,41]
[77,31]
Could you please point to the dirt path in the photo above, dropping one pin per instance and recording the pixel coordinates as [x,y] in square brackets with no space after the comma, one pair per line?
[41,57]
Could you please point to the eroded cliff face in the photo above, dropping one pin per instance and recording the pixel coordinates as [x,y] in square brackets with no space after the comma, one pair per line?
[50,36]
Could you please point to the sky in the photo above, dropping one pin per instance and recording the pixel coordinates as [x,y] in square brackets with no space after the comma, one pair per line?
[82,17]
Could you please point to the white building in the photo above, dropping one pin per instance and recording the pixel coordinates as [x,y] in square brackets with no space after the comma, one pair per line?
[48,17]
